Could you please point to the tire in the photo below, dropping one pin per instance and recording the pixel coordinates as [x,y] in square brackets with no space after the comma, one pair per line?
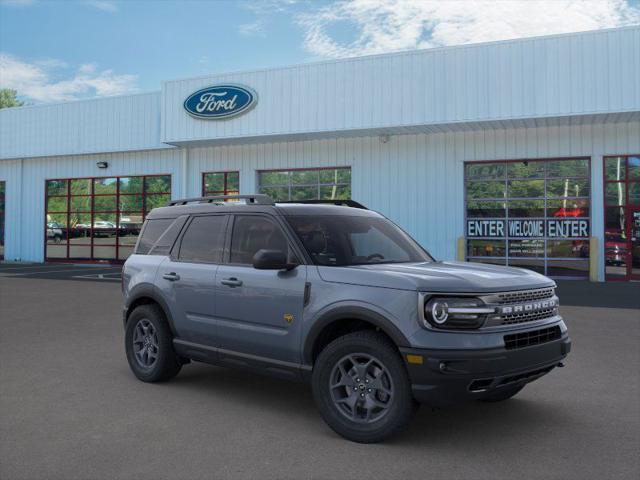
[369,409]
[503,394]
[147,329]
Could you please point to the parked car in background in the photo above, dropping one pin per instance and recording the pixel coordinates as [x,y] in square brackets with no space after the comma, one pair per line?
[54,232]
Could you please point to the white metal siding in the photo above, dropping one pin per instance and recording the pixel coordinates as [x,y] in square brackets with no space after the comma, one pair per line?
[416,180]
[25,206]
[547,77]
[90,126]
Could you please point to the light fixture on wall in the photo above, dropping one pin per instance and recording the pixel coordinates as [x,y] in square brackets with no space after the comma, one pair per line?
[102,164]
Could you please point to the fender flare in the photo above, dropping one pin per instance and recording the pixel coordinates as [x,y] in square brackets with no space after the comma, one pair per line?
[352,313]
[148,291]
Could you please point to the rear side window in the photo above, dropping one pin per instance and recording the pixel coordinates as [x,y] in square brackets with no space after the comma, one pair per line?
[164,244]
[204,239]
[152,231]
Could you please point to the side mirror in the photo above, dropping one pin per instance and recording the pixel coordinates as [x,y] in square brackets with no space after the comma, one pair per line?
[271,260]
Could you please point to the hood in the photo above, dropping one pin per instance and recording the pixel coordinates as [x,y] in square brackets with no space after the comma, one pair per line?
[463,277]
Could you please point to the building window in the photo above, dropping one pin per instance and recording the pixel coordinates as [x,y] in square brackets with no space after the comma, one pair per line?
[2,210]
[312,184]
[220,183]
[99,218]
[533,214]
[622,217]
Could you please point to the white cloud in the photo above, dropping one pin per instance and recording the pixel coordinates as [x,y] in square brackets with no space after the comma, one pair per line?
[104,5]
[36,81]
[252,29]
[390,25]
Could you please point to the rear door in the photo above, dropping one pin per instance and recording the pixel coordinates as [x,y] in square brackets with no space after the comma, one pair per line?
[187,278]
[259,312]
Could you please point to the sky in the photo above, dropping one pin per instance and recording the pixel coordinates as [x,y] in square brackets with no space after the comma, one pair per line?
[59,50]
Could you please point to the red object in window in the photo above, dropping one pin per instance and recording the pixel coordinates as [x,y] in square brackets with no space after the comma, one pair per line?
[570,212]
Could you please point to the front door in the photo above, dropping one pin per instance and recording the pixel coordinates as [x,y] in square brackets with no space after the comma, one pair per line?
[259,312]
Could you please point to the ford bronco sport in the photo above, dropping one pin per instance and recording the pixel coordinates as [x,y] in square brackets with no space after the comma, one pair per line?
[336,295]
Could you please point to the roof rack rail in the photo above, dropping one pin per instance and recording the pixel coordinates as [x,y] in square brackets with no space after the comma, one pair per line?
[342,203]
[249,200]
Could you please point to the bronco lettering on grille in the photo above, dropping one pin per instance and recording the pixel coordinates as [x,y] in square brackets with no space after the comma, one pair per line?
[527,307]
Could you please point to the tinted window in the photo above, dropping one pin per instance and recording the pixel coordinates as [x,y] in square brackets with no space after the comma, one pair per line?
[253,233]
[152,231]
[204,239]
[167,239]
[351,240]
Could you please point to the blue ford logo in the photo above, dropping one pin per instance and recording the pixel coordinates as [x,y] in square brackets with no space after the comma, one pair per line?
[220,101]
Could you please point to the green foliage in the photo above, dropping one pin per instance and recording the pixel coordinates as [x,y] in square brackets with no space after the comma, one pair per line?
[8,98]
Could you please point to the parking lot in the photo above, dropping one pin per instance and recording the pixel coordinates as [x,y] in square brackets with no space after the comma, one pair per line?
[71,409]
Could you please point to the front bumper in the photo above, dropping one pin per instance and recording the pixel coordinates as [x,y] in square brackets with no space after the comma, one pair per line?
[451,376]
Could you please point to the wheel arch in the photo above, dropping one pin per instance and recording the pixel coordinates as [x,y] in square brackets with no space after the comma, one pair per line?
[346,319]
[146,295]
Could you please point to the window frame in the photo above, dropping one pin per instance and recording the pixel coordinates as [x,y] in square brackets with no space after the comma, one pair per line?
[299,257]
[627,208]
[506,178]
[289,185]
[3,216]
[91,212]
[213,193]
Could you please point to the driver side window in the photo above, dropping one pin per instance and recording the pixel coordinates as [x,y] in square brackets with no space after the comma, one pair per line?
[252,233]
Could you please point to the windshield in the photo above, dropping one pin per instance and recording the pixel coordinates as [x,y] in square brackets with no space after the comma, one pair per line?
[345,240]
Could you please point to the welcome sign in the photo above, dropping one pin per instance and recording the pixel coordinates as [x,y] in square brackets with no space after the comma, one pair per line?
[219,102]
[528,228]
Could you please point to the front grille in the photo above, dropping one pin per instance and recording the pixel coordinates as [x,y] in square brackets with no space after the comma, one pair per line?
[535,337]
[522,296]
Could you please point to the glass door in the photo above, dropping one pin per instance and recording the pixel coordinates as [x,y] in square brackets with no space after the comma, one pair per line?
[634,240]
[622,217]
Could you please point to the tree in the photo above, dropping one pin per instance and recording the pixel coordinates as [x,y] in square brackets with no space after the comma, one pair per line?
[8,98]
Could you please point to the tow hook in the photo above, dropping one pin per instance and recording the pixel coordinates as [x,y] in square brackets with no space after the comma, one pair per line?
[560,364]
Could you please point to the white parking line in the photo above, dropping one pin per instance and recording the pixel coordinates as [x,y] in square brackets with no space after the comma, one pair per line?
[99,276]
[42,272]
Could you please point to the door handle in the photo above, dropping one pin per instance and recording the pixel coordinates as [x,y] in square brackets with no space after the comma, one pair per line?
[172,277]
[231,282]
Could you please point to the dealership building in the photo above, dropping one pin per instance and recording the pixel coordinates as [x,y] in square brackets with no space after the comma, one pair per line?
[522,152]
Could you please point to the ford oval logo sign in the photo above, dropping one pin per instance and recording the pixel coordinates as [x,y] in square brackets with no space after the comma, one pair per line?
[220,101]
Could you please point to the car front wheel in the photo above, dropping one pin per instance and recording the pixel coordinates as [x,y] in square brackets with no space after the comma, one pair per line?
[361,387]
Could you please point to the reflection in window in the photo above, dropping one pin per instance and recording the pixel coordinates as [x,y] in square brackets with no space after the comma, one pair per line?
[100,218]
[2,210]
[253,233]
[312,184]
[220,183]
[614,193]
[527,193]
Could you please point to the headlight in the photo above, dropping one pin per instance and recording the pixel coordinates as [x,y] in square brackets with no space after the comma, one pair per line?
[455,312]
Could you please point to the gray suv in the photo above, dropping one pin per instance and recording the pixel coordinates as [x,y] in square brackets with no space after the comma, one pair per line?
[336,295]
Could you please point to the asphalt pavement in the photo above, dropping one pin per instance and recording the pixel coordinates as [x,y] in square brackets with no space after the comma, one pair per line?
[71,409]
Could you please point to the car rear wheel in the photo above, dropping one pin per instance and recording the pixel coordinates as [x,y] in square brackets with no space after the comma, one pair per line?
[149,345]
[502,394]
[361,387]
